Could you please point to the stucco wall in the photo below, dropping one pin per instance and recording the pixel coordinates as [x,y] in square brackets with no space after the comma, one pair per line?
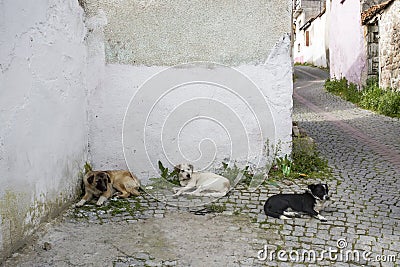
[318,41]
[165,33]
[315,53]
[347,51]
[389,40]
[300,50]
[43,133]
[144,38]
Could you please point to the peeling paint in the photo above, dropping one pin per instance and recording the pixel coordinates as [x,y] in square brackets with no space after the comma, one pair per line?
[22,211]
[43,138]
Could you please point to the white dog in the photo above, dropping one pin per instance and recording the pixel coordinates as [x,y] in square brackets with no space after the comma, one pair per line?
[203,183]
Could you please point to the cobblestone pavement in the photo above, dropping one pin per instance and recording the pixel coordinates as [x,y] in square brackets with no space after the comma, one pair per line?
[363,148]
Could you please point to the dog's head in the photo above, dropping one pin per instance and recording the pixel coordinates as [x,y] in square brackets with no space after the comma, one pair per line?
[99,180]
[184,171]
[319,191]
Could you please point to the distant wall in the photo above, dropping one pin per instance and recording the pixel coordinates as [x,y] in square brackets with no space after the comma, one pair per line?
[301,53]
[43,133]
[318,48]
[315,52]
[347,51]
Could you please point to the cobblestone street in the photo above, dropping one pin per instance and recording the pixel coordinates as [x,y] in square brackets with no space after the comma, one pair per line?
[363,149]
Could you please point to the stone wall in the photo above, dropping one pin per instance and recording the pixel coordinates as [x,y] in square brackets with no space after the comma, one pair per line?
[43,133]
[389,34]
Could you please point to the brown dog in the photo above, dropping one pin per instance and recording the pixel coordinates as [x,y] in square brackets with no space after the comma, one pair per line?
[102,184]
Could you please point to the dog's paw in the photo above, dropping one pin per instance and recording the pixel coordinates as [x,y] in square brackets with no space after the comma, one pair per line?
[321,218]
[117,194]
[79,204]
[101,200]
[175,189]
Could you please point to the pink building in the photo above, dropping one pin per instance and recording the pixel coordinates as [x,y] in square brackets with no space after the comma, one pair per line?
[347,49]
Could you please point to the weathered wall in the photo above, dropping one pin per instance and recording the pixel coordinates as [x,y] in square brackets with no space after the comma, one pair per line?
[43,133]
[142,38]
[166,33]
[389,46]
[347,51]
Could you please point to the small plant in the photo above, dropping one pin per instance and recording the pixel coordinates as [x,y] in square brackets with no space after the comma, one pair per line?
[169,176]
[304,161]
[389,104]
[216,208]
[87,167]
[336,86]
[370,97]
[285,165]
[232,174]
[306,157]
[344,89]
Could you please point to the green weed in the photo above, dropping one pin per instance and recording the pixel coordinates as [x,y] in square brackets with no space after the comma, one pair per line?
[304,161]
[372,97]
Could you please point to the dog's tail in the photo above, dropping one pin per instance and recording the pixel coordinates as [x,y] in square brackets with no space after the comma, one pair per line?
[269,212]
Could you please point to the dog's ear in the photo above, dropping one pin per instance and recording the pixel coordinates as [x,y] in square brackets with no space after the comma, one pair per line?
[90,179]
[108,178]
[177,168]
[311,187]
[191,167]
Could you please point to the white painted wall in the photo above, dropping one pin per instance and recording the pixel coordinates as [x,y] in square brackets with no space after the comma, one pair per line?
[43,132]
[252,39]
[318,45]
[346,42]
[315,53]
[109,103]
[301,53]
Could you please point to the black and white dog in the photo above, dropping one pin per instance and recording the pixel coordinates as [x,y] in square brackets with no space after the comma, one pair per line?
[294,205]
